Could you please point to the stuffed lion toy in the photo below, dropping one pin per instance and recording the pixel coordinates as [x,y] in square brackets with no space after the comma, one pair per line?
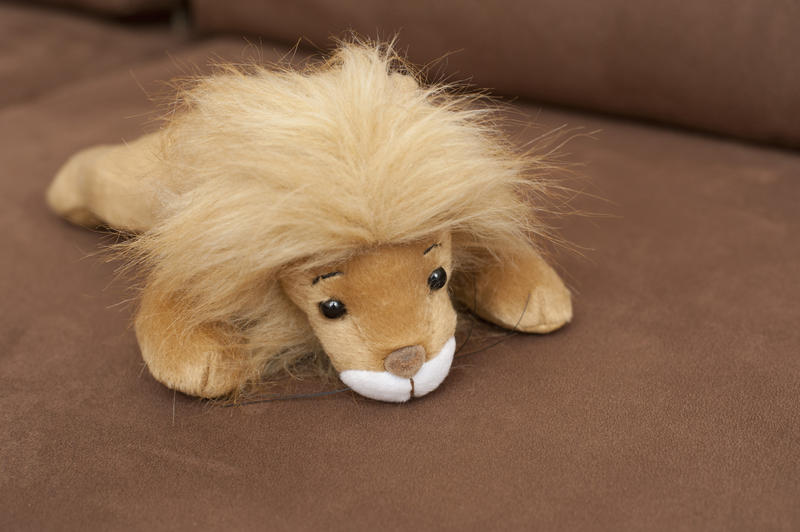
[333,211]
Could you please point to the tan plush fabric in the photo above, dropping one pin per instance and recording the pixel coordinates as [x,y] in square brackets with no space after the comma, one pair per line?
[327,169]
[728,67]
[670,402]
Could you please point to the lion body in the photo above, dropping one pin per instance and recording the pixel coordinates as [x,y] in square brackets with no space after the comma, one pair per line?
[258,171]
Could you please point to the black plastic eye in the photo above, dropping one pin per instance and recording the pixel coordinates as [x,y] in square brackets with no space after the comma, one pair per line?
[437,278]
[332,309]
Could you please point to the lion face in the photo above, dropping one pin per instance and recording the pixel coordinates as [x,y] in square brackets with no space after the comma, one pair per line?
[384,317]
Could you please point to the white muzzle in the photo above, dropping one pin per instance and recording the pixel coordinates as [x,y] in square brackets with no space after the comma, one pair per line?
[383,386]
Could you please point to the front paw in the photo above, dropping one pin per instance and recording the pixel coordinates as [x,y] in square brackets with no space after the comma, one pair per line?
[549,307]
[522,293]
[202,362]
[203,375]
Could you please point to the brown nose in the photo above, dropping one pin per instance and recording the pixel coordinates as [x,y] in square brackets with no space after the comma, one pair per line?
[406,361]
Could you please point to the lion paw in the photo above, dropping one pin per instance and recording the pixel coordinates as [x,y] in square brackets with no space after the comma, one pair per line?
[549,307]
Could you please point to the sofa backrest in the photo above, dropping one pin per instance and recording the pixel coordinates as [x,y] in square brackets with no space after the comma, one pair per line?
[116,8]
[718,65]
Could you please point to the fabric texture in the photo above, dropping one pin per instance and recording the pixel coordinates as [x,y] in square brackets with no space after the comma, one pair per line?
[44,49]
[120,8]
[718,66]
[670,402]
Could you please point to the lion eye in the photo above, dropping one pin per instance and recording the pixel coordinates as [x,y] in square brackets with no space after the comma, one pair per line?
[332,309]
[437,278]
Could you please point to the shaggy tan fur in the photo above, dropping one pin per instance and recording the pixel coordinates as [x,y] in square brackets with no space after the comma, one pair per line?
[262,175]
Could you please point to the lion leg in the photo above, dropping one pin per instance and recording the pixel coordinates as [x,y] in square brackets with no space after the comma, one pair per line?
[210,360]
[520,291]
[109,185]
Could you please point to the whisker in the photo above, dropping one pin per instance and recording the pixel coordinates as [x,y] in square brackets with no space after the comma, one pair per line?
[275,398]
[505,337]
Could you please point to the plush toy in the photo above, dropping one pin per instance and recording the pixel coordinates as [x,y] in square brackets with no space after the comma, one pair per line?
[337,209]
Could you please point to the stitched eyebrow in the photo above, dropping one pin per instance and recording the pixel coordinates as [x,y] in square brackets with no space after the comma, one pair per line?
[431,247]
[326,276]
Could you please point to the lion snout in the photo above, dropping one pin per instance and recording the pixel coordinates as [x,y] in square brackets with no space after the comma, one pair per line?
[391,387]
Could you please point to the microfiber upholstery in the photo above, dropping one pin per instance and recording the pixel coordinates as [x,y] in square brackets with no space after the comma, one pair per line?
[671,401]
[43,49]
[116,8]
[728,67]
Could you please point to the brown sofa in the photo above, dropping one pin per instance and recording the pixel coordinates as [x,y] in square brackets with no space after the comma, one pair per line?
[671,402]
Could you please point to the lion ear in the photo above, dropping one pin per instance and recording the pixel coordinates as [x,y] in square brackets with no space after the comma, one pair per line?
[404,82]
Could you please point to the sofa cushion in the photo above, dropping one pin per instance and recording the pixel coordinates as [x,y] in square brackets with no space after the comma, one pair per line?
[669,403]
[727,67]
[43,49]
